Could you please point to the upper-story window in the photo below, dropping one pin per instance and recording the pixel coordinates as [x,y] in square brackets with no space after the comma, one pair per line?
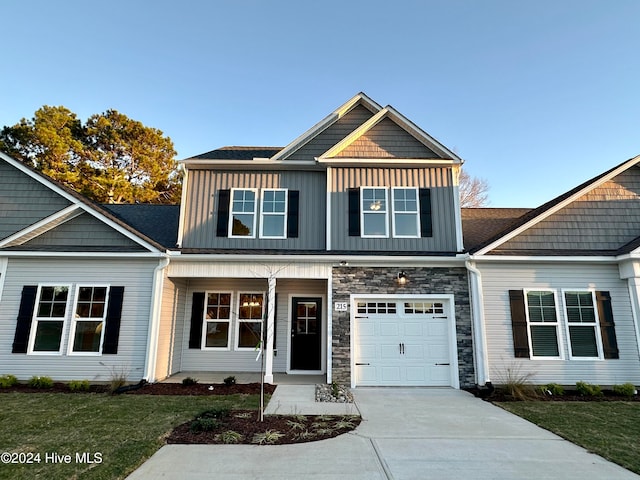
[242,221]
[273,218]
[375,212]
[406,215]
[410,212]
[278,211]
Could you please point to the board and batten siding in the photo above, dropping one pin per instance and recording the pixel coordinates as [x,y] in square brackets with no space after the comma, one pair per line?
[332,134]
[24,201]
[244,361]
[135,275]
[498,279]
[84,231]
[201,211]
[438,180]
[171,328]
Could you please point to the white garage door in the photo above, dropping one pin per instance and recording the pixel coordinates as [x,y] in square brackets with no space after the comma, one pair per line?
[402,342]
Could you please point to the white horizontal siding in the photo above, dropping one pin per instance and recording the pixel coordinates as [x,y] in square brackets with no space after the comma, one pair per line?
[498,279]
[254,269]
[244,361]
[135,276]
[171,328]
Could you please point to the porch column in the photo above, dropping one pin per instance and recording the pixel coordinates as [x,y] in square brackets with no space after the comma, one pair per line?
[268,348]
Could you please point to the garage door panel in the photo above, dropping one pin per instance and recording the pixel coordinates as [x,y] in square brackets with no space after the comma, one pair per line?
[403,347]
[390,374]
[389,351]
[413,329]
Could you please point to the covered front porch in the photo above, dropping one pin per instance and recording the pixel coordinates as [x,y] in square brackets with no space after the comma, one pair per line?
[222,319]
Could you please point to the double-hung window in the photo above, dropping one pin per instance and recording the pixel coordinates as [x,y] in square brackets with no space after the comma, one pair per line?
[582,324]
[89,318]
[273,219]
[242,221]
[250,314]
[542,319]
[50,315]
[217,320]
[406,215]
[375,212]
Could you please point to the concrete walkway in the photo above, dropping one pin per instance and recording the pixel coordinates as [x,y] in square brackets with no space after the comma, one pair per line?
[406,433]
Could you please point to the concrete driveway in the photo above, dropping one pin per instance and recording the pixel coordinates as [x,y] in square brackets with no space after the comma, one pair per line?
[406,433]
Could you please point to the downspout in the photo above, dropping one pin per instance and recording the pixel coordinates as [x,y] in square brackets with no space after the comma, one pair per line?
[154,320]
[479,331]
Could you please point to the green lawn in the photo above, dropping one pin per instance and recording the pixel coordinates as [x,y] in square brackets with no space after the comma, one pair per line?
[609,429]
[117,432]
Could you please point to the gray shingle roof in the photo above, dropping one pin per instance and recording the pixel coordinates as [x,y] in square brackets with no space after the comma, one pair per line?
[158,222]
[481,224]
[238,153]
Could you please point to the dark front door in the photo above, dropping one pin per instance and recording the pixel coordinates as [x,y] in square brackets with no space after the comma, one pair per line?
[306,333]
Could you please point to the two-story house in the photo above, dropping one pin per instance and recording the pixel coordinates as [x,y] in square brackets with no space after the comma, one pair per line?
[344,254]
[348,240]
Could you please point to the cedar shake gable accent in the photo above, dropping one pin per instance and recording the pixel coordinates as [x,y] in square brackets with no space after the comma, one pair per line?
[537,215]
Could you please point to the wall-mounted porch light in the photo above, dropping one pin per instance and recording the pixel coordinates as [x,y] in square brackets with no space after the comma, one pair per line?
[402,278]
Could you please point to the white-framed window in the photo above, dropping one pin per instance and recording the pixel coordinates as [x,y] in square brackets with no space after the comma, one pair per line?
[421,308]
[543,325]
[374,212]
[583,328]
[242,221]
[216,333]
[89,313]
[52,304]
[250,315]
[406,214]
[377,307]
[273,217]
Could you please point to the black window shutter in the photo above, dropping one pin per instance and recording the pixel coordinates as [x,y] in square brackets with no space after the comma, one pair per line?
[426,223]
[112,321]
[607,326]
[197,316]
[25,315]
[293,214]
[224,197]
[519,324]
[354,212]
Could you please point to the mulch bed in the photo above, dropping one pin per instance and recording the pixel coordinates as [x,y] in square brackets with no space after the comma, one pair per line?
[202,389]
[274,430]
[569,396]
[154,389]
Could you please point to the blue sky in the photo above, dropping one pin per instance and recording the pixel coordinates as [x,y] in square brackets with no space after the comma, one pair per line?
[536,96]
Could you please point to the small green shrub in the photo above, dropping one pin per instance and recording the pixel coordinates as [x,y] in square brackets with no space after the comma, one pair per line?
[551,389]
[335,389]
[79,385]
[625,390]
[230,380]
[40,382]
[230,437]
[217,413]
[588,390]
[8,380]
[270,436]
[189,381]
[203,425]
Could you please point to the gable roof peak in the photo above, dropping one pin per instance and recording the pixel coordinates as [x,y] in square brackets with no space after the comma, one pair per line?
[360,99]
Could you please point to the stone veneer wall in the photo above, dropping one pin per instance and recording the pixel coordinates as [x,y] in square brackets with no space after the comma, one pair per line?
[382,280]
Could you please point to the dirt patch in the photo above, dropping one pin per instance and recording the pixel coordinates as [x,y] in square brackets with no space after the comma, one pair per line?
[569,396]
[274,430]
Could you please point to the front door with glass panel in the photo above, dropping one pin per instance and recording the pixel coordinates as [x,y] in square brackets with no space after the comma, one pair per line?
[306,333]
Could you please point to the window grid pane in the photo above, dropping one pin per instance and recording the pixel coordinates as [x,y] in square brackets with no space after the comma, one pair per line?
[374,212]
[243,209]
